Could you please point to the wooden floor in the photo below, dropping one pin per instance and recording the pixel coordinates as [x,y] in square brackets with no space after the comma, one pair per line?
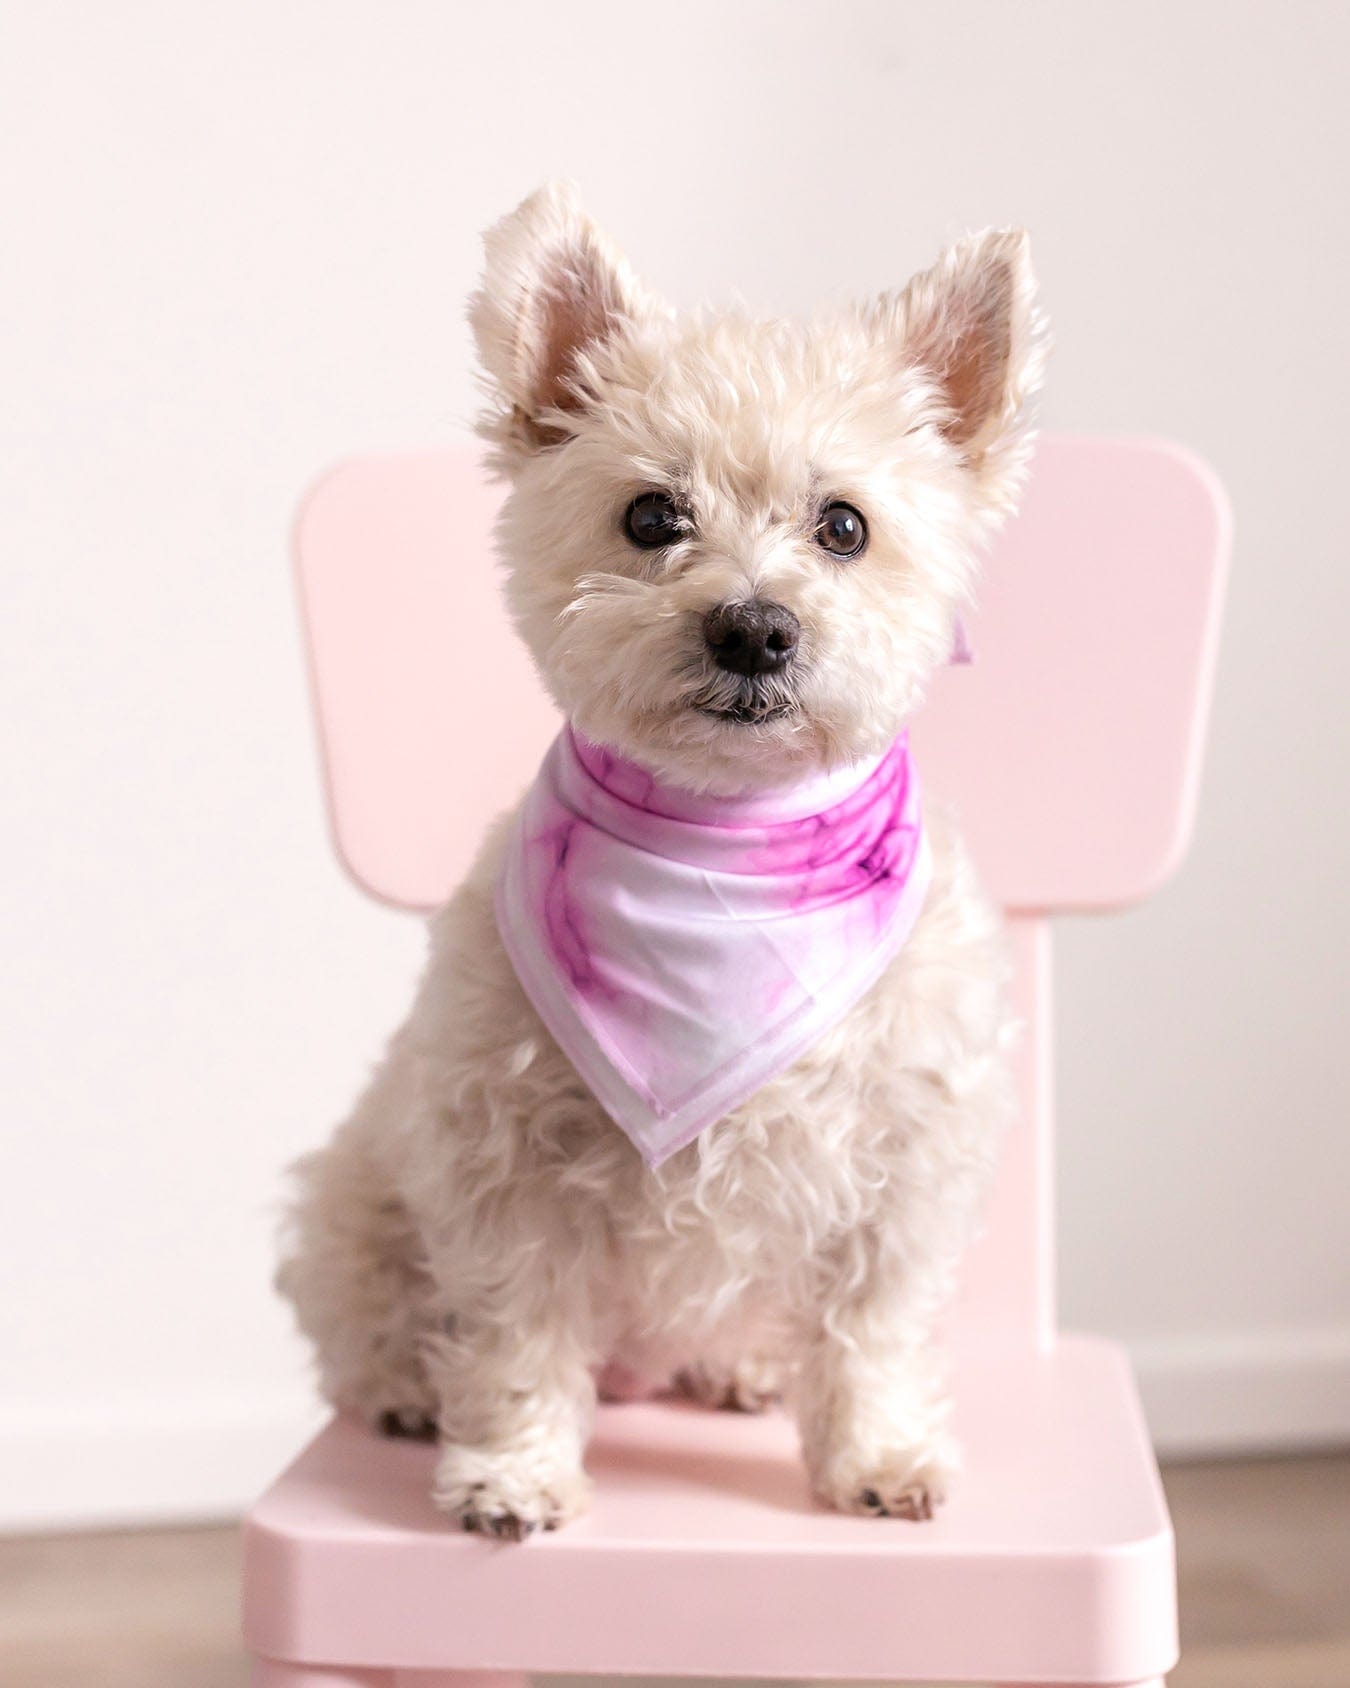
[1265,1591]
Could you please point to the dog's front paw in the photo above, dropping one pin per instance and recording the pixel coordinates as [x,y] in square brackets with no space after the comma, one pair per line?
[902,1483]
[507,1495]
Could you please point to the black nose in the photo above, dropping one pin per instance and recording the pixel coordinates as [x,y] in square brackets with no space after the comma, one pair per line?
[751,638]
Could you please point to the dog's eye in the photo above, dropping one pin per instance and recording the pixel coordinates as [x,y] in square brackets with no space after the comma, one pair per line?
[842,531]
[652,520]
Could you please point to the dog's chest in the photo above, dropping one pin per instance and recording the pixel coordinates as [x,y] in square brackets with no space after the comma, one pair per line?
[772,1187]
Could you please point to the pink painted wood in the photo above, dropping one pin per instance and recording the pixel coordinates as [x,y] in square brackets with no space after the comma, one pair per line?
[1072,749]
[705,1555]
[1071,745]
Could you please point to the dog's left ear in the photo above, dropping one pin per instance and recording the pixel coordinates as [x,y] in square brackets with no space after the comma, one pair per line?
[554,291]
[971,325]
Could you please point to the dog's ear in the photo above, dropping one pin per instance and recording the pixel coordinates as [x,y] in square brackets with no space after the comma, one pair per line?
[554,290]
[971,324]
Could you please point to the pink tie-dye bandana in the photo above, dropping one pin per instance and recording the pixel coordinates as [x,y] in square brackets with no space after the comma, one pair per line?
[683,950]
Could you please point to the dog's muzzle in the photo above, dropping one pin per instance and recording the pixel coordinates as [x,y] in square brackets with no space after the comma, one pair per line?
[753,645]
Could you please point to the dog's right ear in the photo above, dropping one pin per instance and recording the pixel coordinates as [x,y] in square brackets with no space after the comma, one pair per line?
[554,291]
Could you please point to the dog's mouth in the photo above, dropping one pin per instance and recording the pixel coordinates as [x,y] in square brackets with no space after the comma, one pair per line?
[755,713]
[744,700]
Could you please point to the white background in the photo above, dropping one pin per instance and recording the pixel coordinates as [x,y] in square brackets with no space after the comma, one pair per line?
[236,243]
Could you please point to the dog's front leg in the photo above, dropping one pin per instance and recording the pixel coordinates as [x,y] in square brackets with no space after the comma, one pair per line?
[872,1402]
[516,1396]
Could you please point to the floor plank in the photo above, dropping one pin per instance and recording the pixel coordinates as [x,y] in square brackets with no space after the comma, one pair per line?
[1264,1553]
[144,1609]
[1263,1550]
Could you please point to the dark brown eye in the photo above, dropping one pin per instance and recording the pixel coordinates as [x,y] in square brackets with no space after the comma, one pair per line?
[842,531]
[652,520]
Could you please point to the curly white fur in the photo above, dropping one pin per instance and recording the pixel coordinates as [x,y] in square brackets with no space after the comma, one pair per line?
[479,1243]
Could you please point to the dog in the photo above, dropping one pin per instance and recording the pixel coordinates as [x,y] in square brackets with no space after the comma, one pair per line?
[737,550]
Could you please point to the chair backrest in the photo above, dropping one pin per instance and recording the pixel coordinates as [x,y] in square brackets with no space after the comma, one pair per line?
[1070,747]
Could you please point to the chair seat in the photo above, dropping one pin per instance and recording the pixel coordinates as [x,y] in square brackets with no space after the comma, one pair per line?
[705,1554]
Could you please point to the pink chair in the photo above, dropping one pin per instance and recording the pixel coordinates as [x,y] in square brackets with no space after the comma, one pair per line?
[1072,748]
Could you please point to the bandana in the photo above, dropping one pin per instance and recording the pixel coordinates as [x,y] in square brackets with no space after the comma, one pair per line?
[683,950]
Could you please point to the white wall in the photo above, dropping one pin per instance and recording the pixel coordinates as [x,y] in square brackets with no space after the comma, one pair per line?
[236,243]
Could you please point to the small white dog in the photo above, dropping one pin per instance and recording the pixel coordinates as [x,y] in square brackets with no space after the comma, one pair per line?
[737,551]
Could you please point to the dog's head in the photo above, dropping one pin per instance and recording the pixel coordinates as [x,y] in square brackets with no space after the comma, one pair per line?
[737,548]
